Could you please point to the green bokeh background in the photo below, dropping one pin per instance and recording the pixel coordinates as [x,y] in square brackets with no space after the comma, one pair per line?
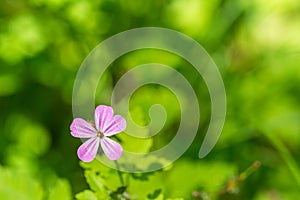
[255,44]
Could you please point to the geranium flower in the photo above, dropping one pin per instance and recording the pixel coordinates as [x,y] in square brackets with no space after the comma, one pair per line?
[106,124]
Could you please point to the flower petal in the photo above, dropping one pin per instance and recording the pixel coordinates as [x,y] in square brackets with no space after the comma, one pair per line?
[82,129]
[112,149]
[117,125]
[88,150]
[103,116]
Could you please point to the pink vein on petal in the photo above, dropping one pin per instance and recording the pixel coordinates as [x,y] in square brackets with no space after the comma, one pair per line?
[117,125]
[88,150]
[82,129]
[103,116]
[112,149]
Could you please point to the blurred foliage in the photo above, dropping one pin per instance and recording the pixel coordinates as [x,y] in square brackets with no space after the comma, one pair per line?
[255,44]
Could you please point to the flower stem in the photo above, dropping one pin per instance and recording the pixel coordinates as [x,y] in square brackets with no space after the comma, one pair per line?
[119,173]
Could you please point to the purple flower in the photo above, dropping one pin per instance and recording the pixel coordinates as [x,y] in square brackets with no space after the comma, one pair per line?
[106,124]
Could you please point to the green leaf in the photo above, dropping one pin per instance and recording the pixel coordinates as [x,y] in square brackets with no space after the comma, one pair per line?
[34,140]
[89,195]
[121,189]
[142,176]
[140,188]
[86,195]
[187,176]
[94,180]
[155,194]
[100,176]
[137,145]
[61,190]
[103,195]
[19,185]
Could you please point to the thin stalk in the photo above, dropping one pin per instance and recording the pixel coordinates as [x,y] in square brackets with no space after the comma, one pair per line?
[119,173]
[287,157]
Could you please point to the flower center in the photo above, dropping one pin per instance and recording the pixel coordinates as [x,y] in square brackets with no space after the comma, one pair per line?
[100,135]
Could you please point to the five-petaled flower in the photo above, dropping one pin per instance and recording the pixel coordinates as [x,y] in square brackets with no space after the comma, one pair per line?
[106,124]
